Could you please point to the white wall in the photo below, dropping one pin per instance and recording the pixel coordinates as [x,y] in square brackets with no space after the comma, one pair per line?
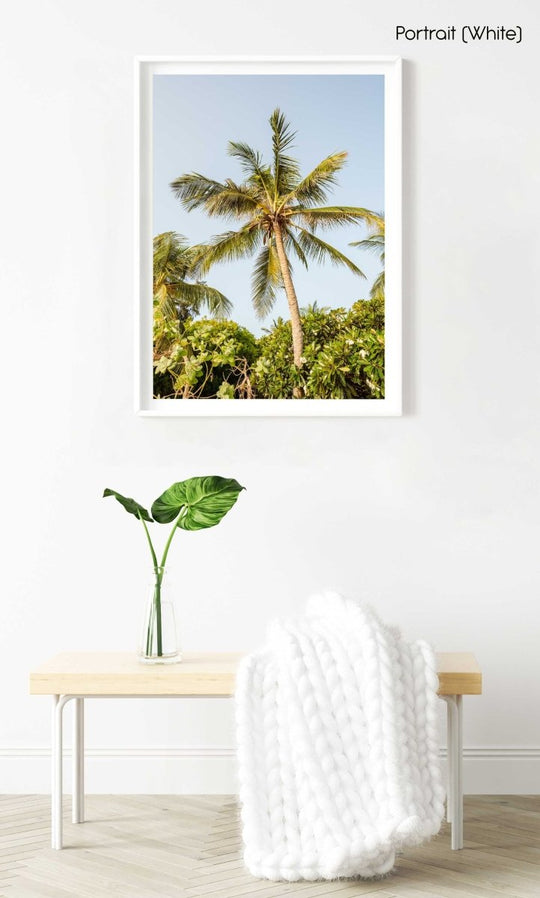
[433,516]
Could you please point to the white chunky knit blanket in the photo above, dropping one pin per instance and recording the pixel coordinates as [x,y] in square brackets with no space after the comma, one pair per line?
[338,745]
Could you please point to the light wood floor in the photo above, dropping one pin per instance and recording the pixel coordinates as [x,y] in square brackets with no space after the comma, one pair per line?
[175,846]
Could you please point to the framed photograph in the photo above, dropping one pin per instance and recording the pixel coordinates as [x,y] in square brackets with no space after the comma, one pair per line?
[268,258]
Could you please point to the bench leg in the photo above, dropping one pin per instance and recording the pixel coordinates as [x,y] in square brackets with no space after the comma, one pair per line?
[56,771]
[454,813]
[57,740]
[449,763]
[78,761]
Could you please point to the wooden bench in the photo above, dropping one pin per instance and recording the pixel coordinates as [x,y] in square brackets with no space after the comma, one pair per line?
[83,675]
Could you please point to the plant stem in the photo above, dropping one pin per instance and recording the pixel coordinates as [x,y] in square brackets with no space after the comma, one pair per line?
[159,570]
[169,541]
[159,579]
[149,633]
[154,557]
[157,605]
[156,601]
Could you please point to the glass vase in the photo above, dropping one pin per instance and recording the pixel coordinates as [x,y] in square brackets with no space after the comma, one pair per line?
[159,639]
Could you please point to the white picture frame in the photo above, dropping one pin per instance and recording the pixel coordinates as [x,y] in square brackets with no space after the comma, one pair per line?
[145,70]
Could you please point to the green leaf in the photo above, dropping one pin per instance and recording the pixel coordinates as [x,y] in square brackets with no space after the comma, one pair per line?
[226,391]
[265,278]
[228,247]
[203,501]
[130,505]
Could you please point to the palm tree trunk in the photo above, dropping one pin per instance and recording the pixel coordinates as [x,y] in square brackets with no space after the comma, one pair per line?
[294,311]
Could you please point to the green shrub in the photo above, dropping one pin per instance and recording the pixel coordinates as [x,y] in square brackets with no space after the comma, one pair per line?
[343,353]
[208,359]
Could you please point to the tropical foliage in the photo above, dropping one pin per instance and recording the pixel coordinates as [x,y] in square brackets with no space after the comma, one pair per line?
[178,293]
[207,359]
[194,504]
[375,243]
[280,211]
[343,357]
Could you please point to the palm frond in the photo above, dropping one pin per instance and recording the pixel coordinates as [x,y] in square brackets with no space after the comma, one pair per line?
[171,256]
[264,187]
[164,304]
[375,241]
[227,247]
[200,295]
[286,168]
[332,216]
[250,159]
[291,241]
[234,201]
[259,175]
[377,290]
[314,187]
[378,226]
[266,278]
[194,190]
[319,251]
[176,296]
[182,299]
[314,308]
[282,134]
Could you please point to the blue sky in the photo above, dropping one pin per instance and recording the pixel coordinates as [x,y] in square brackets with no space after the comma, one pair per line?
[196,115]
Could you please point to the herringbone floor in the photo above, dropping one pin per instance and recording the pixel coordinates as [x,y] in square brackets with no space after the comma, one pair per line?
[184,847]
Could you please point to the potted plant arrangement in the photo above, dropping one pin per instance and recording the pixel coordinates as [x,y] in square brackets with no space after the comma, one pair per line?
[194,504]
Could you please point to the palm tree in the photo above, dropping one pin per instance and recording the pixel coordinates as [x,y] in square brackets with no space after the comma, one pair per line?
[375,243]
[281,212]
[178,294]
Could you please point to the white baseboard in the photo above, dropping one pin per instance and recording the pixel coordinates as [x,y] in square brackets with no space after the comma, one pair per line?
[186,770]
[156,770]
[501,770]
